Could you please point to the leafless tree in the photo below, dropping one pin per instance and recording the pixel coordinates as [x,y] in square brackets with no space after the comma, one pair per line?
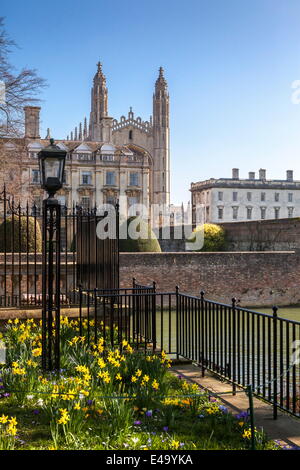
[22,88]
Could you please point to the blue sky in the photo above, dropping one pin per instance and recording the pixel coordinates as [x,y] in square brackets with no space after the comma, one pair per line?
[230,65]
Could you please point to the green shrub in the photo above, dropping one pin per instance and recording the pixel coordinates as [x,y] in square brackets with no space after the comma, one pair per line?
[15,232]
[214,237]
[149,244]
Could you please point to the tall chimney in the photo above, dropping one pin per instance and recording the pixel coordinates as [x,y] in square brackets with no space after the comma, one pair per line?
[289,175]
[235,173]
[251,175]
[32,122]
[262,174]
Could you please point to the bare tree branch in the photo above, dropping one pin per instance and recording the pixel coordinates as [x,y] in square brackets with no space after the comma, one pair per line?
[22,88]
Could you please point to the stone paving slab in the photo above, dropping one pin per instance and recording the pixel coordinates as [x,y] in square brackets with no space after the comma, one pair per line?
[285,429]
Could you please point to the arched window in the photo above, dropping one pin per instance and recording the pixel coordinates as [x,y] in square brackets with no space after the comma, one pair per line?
[130,135]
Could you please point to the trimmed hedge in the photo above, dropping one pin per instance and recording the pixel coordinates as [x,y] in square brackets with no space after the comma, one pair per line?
[214,237]
[15,232]
[149,244]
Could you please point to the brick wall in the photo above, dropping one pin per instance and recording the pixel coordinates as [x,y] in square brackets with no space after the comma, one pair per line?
[256,278]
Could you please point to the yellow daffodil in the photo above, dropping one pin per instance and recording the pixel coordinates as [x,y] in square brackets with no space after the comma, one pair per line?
[155,384]
[3,419]
[175,444]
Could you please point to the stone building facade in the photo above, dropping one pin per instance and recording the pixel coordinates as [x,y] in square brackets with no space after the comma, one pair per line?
[107,159]
[235,199]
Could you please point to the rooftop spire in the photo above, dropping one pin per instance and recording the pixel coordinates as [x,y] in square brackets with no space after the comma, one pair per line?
[161,83]
[99,73]
[85,129]
[99,103]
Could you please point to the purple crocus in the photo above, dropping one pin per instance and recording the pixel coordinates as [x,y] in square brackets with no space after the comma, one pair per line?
[223,409]
[137,423]
[148,413]
[242,415]
[165,428]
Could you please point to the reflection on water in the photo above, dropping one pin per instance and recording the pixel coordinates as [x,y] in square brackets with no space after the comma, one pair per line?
[168,337]
[291,313]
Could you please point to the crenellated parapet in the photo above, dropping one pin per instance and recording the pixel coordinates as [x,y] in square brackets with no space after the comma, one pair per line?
[131,121]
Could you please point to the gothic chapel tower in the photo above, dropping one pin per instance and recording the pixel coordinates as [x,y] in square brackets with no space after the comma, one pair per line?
[99,121]
[161,135]
[152,136]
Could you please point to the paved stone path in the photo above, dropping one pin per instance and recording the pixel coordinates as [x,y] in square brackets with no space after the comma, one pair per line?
[285,429]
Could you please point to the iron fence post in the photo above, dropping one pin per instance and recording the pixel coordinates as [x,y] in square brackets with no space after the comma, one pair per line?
[275,309]
[202,293]
[154,316]
[5,248]
[112,315]
[80,310]
[233,349]
[44,287]
[177,322]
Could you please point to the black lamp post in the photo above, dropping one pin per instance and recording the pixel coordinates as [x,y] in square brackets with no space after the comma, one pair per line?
[52,163]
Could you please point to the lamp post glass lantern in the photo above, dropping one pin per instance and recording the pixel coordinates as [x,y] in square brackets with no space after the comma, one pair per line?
[52,164]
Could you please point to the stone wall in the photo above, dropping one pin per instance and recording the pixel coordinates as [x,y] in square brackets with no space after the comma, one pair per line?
[281,234]
[255,235]
[255,278]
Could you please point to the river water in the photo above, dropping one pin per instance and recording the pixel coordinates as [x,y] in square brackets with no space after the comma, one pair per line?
[291,313]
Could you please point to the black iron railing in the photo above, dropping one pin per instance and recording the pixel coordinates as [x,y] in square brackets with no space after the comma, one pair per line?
[242,346]
[84,259]
[143,317]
